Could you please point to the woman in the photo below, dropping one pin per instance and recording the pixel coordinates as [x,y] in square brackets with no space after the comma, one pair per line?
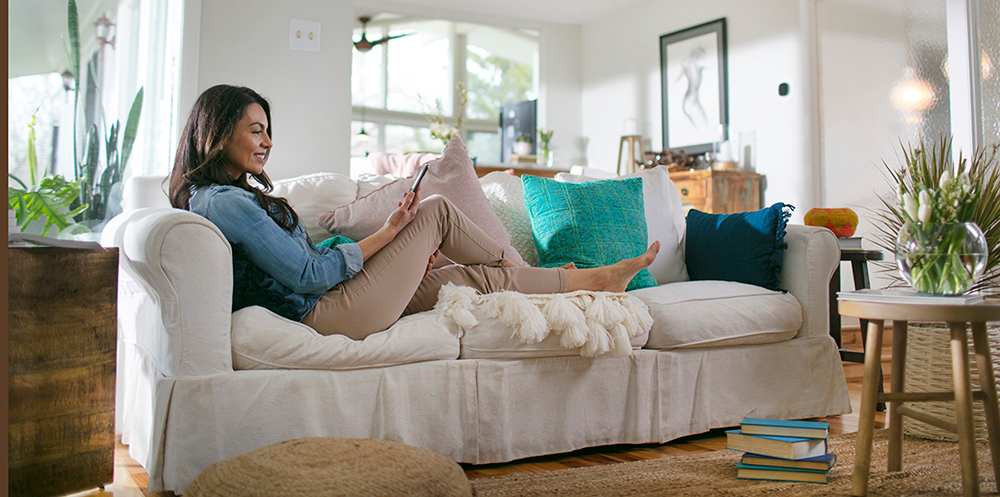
[353,289]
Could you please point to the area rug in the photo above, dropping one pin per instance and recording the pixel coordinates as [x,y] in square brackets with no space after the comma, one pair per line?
[929,469]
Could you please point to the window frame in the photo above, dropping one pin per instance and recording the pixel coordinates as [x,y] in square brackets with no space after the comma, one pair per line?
[380,117]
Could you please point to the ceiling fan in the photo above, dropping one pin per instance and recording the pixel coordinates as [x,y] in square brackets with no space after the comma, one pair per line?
[363,45]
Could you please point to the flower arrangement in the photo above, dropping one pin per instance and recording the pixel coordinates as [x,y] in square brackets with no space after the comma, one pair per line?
[545,144]
[441,129]
[944,223]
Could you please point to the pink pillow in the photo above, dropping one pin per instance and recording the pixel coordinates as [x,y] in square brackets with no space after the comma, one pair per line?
[400,165]
[452,176]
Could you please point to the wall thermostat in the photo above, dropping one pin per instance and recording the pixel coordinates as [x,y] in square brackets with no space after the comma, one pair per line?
[783,89]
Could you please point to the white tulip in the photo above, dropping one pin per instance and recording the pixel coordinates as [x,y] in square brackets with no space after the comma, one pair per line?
[924,214]
[910,206]
[945,178]
[925,198]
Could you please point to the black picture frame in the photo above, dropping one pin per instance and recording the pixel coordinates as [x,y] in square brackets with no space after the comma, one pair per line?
[685,79]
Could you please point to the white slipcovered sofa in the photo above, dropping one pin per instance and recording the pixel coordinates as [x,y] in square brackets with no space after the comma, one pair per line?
[189,395]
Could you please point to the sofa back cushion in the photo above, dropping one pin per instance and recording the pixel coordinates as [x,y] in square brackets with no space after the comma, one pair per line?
[590,224]
[313,195]
[746,247]
[451,176]
[664,220]
[506,197]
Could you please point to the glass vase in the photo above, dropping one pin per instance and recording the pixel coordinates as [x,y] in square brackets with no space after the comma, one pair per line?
[941,259]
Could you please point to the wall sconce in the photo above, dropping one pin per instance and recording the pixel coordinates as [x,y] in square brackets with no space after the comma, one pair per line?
[912,94]
[104,29]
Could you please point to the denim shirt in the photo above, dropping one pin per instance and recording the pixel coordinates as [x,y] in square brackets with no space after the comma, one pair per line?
[273,268]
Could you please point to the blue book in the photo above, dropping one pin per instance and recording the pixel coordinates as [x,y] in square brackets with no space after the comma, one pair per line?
[784,447]
[783,428]
[823,462]
[752,472]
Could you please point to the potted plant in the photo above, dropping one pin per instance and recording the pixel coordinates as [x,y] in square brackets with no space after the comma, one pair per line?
[522,145]
[545,144]
[932,192]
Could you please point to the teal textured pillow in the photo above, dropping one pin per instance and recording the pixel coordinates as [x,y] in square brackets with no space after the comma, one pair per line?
[590,224]
[747,247]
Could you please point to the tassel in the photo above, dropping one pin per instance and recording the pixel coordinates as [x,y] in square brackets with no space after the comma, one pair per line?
[574,336]
[598,341]
[454,304]
[622,345]
[526,320]
[561,313]
[640,312]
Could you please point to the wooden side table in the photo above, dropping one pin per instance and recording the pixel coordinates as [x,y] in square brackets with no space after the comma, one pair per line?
[723,191]
[956,316]
[62,335]
[859,268]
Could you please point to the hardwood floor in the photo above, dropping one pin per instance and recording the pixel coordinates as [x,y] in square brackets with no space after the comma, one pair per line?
[131,479]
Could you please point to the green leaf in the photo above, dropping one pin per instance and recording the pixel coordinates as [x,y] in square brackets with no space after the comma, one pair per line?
[131,127]
[73,28]
[32,155]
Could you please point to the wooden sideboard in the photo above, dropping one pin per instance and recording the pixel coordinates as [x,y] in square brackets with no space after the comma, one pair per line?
[520,170]
[62,334]
[720,191]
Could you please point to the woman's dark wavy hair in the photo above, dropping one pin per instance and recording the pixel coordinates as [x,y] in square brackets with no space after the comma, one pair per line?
[200,159]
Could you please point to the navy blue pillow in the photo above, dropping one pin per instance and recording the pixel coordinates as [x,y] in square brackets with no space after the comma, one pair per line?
[747,247]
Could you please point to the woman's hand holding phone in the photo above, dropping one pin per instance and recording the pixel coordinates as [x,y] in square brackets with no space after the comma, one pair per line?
[405,211]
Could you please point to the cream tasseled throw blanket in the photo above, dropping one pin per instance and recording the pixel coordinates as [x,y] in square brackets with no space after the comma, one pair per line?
[595,322]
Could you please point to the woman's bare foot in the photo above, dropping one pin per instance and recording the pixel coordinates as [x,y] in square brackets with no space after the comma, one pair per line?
[622,272]
[611,278]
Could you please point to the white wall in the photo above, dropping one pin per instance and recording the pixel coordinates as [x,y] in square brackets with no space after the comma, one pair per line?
[621,81]
[245,42]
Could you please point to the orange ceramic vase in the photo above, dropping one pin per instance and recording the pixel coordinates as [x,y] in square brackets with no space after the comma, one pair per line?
[841,221]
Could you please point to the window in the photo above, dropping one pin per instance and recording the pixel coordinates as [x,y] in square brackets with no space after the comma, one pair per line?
[397,87]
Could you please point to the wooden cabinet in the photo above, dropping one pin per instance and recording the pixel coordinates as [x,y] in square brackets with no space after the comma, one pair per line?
[719,191]
[62,334]
[520,170]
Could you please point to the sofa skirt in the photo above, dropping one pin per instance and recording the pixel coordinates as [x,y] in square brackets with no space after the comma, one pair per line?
[483,411]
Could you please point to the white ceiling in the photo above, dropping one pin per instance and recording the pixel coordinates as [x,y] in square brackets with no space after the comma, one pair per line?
[554,11]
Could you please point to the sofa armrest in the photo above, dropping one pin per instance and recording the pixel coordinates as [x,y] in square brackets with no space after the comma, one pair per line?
[810,260]
[185,263]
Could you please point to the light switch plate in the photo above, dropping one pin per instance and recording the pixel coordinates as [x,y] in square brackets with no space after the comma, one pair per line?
[303,35]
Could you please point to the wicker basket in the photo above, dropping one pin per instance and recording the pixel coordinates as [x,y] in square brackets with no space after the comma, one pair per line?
[928,369]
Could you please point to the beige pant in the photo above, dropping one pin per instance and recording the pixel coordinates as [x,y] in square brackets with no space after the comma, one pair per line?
[393,282]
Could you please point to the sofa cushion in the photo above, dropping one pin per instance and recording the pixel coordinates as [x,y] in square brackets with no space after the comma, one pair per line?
[718,313]
[452,176]
[314,194]
[664,220]
[748,247]
[506,197]
[590,224]
[264,340]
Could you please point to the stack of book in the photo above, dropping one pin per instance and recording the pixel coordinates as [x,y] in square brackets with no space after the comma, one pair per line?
[775,449]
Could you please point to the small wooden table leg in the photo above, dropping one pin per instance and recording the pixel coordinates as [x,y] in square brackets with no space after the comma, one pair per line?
[963,409]
[988,385]
[895,417]
[869,397]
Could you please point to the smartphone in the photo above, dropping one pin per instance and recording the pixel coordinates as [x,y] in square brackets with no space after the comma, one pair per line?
[420,177]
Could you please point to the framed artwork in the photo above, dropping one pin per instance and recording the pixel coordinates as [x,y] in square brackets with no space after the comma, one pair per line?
[694,87]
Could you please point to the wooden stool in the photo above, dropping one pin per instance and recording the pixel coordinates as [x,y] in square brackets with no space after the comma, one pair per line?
[956,316]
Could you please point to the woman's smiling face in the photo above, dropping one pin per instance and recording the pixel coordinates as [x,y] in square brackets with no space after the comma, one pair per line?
[250,146]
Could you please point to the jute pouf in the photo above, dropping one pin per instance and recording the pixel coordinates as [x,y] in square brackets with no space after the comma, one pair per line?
[333,467]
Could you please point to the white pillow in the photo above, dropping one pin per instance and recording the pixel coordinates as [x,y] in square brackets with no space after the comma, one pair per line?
[314,194]
[264,340]
[506,197]
[664,221]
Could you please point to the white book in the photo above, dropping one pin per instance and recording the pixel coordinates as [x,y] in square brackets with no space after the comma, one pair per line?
[849,243]
[909,296]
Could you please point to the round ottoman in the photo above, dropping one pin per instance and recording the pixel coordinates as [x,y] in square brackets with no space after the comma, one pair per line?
[328,467]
